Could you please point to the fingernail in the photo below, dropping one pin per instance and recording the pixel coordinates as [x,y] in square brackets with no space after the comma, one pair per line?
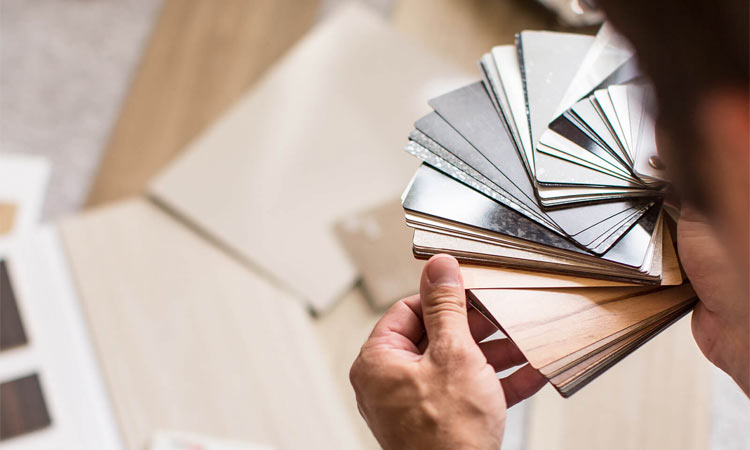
[443,270]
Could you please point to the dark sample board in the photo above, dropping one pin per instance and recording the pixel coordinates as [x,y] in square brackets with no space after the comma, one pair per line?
[12,333]
[22,407]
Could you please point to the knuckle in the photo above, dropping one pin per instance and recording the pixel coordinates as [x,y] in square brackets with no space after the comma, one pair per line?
[361,367]
[371,367]
[355,372]
[405,378]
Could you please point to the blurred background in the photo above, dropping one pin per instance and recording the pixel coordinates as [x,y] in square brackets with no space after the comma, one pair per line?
[108,93]
[127,84]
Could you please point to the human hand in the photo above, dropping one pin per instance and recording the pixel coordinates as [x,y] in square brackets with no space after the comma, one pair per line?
[721,320]
[421,379]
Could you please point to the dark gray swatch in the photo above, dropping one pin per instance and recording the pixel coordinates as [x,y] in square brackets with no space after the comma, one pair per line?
[12,333]
[23,408]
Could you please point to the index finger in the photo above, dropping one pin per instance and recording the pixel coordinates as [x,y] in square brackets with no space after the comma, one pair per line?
[522,384]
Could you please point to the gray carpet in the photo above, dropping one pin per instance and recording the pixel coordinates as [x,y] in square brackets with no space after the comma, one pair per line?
[65,66]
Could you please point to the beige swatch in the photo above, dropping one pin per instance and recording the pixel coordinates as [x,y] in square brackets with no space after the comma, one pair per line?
[7,217]
[379,244]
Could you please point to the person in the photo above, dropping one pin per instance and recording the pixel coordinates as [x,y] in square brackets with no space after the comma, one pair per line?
[422,380]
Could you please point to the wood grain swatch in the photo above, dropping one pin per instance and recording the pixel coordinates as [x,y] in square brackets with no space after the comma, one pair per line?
[188,338]
[573,335]
[22,407]
[7,217]
[486,277]
[548,324]
[12,332]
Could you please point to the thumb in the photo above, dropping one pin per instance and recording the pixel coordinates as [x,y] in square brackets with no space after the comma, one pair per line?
[443,300]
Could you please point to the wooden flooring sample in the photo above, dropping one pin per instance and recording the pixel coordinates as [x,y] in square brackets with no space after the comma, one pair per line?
[574,335]
[201,56]
[22,407]
[190,339]
[317,139]
[549,324]
[7,217]
[485,277]
[12,332]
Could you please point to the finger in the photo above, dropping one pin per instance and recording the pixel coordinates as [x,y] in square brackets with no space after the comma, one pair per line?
[415,304]
[400,327]
[502,354]
[443,300]
[480,327]
[522,384]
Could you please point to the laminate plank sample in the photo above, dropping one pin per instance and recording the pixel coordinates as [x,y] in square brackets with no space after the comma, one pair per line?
[549,324]
[12,332]
[22,407]
[202,55]
[316,140]
[7,217]
[190,339]
[485,277]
